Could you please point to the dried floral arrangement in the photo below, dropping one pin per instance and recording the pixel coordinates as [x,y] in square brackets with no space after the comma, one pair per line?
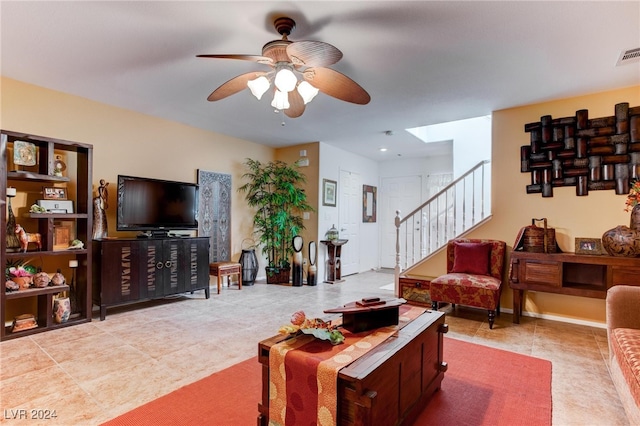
[318,328]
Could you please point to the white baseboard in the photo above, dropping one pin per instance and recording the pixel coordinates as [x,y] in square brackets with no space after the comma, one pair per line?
[559,318]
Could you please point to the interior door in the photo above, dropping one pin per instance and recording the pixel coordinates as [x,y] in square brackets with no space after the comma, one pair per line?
[350,215]
[398,193]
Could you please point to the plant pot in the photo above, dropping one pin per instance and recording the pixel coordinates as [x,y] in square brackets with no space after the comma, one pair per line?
[23,282]
[277,275]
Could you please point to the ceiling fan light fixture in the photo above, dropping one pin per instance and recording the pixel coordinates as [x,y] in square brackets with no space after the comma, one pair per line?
[280,100]
[307,91]
[259,86]
[285,79]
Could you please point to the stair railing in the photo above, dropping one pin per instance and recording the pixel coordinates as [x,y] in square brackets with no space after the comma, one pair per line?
[454,210]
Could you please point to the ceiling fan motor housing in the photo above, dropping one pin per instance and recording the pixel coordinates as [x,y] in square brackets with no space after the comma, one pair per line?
[284,26]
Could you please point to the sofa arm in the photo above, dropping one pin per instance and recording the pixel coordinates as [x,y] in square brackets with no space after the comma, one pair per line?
[623,307]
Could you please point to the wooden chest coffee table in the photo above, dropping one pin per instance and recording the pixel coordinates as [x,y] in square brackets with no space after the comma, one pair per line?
[391,384]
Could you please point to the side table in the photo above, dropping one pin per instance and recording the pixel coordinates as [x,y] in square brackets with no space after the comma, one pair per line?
[334,270]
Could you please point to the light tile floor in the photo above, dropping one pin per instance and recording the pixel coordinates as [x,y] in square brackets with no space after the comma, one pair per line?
[93,372]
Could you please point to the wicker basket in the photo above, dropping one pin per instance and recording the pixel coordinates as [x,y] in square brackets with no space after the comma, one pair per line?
[539,240]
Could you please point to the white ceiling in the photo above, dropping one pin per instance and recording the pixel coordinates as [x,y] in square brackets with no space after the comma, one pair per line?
[422,62]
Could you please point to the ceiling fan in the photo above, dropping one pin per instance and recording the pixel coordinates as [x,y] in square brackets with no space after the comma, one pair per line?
[290,60]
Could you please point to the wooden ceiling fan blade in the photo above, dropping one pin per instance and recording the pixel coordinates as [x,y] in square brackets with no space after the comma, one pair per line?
[253,58]
[336,84]
[313,53]
[234,85]
[296,105]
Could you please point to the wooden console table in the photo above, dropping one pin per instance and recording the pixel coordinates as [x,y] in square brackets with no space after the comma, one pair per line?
[568,273]
[391,384]
[334,247]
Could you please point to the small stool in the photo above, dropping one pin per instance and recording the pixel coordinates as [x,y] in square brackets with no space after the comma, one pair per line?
[226,269]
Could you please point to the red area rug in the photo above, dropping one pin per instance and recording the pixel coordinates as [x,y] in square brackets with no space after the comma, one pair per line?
[483,386]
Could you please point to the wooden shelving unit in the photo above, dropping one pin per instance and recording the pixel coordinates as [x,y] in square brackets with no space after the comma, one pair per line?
[78,184]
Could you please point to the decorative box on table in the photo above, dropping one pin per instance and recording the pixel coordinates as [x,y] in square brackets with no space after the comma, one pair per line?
[415,289]
[368,313]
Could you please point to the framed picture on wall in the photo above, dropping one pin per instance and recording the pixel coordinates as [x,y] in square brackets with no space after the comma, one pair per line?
[369,203]
[329,192]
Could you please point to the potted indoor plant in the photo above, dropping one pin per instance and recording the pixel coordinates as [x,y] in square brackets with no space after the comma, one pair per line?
[275,189]
[20,272]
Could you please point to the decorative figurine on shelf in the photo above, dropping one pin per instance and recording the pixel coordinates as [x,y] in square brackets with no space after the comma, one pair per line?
[58,279]
[41,279]
[100,206]
[11,285]
[76,245]
[37,209]
[26,238]
[59,166]
[13,243]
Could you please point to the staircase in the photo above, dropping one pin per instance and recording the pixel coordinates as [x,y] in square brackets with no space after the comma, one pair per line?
[459,207]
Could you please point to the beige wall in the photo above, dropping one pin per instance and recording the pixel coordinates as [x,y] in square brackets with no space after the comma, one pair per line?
[312,172]
[130,143]
[570,215]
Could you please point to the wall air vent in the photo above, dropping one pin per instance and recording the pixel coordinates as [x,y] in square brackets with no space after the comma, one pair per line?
[629,56]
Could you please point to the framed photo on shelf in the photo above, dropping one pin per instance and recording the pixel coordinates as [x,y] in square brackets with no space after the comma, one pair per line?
[61,236]
[54,193]
[589,246]
[329,192]
[369,203]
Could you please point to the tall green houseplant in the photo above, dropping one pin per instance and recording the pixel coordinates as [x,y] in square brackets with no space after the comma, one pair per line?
[275,190]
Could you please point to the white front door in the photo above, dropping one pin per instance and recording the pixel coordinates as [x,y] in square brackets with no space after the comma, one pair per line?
[398,193]
[350,190]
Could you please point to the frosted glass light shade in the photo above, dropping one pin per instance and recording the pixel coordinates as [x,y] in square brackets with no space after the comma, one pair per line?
[307,91]
[280,100]
[258,86]
[285,80]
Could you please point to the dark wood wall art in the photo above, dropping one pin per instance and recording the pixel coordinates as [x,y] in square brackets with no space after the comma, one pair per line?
[590,154]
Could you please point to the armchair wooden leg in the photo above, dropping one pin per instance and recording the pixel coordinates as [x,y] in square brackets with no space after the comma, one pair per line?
[492,317]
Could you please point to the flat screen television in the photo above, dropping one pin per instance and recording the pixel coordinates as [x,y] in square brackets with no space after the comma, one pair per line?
[156,206]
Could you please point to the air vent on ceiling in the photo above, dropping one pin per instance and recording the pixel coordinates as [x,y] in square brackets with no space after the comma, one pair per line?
[629,56]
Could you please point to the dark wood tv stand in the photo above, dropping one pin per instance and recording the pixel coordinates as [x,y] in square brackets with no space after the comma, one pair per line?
[129,270]
[568,273]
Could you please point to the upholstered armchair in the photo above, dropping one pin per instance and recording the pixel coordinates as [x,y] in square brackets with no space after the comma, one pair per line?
[475,270]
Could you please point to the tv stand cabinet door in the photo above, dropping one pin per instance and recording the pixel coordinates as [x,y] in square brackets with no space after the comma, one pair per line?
[170,271]
[119,273]
[196,267]
[151,261]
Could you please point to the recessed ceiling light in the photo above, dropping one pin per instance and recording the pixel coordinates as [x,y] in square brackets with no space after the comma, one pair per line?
[383,149]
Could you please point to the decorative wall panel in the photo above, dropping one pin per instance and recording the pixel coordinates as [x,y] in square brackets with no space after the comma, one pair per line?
[590,154]
[214,213]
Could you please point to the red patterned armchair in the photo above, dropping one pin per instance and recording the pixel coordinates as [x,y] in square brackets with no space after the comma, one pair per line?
[475,270]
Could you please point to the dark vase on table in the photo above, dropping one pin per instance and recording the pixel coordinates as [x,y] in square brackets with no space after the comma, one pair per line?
[622,240]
